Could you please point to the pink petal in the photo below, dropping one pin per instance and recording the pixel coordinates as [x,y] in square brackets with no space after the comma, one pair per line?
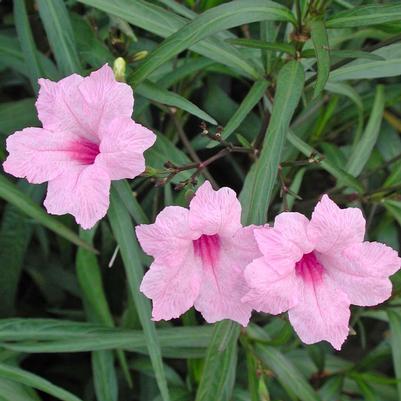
[169,239]
[215,212]
[38,155]
[332,229]
[294,226]
[106,98]
[270,291]
[83,105]
[122,146]
[377,259]
[82,191]
[321,314]
[223,284]
[172,289]
[279,252]
[61,107]
[362,271]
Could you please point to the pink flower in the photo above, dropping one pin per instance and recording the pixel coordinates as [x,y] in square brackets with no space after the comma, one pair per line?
[88,139]
[315,269]
[199,257]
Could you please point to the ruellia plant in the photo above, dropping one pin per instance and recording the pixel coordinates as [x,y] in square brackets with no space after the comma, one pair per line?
[201,200]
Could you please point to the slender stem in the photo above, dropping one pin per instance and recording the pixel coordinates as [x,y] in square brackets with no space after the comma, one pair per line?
[187,144]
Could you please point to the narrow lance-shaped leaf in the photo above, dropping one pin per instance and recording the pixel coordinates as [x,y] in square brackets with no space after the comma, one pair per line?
[261,44]
[97,310]
[29,379]
[27,43]
[373,14]
[15,235]
[130,252]
[55,18]
[153,92]
[354,54]
[159,21]
[251,99]
[216,19]
[347,90]
[259,183]
[340,174]
[56,330]
[321,45]
[363,149]
[220,360]
[130,202]
[288,375]
[12,194]
[389,66]
[395,340]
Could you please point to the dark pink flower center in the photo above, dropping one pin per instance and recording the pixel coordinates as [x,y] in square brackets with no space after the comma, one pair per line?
[309,268]
[207,247]
[84,151]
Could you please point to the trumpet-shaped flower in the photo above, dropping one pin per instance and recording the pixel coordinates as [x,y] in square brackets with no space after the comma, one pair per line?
[199,257]
[88,139]
[315,269]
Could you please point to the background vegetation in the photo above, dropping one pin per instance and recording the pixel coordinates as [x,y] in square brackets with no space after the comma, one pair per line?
[315,82]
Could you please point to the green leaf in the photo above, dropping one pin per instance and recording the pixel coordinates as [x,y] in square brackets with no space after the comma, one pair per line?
[219,18]
[394,178]
[348,91]
[157,94]
[97,309]
[30,379]
[363,149]
[365,15]
[155,19]
[219,369]
[354,54]
[59,31]
[256,92]
[368,69]
[335,171]
[321,45]
[295,187]
[12,194]
[259,183]
[15,235]
[54,336]
[261,44]
[394,318]
[18,115]
[12,57]
[90,281]
[12,391]
[287,374]
[130,202]
[91,50]
[130,252]
[185,69]
[36,329]
[104,376]
[27,43]
[331,389]
[394,208]
[179,8]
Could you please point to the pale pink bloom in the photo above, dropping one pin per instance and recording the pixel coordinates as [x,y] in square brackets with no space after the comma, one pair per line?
[315,269]
[199,257]
[88,139]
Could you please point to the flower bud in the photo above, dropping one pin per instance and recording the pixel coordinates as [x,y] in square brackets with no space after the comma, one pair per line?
[119,68]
